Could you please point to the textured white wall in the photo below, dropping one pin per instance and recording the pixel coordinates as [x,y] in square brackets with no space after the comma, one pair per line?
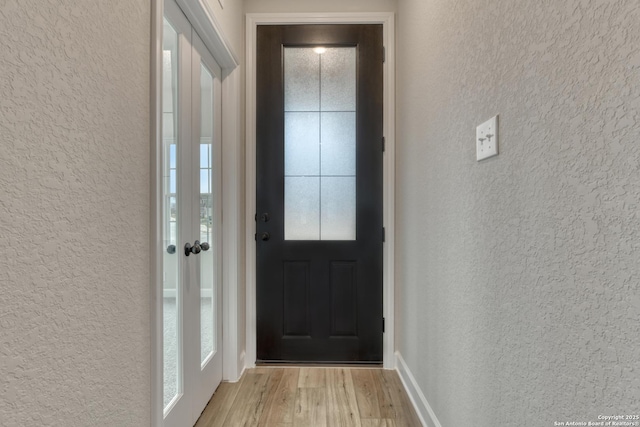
[74,213]
[284,6]
[519,276]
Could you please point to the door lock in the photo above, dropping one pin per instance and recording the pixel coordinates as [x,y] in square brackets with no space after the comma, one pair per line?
[265,236]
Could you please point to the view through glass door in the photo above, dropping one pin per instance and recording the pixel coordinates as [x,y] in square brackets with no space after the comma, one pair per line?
[191,138]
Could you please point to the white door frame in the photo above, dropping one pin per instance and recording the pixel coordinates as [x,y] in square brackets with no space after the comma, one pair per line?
[387,21]
[203,20]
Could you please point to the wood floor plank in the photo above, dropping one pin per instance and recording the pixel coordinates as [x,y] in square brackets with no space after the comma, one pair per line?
[342,407]
[219,405]
[334,397]
[310,408]
[249,402]
[263,370]
[275,376]
[405,414]
[383,422]
[366,393]
[312,377]
[387,409]
[279,407]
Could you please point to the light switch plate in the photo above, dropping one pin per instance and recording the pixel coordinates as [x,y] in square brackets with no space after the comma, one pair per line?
[487,139]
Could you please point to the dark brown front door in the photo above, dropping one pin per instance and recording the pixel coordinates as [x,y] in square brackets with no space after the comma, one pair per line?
[319,193]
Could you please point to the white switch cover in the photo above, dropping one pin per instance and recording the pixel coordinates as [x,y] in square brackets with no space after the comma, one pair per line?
[487,139]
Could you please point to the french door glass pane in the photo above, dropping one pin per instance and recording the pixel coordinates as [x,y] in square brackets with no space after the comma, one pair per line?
[338,71]
[171,278]
[302,144]
[320,143]
[302,81]
[207,264]
[301,208]
[338,209]
[338,143]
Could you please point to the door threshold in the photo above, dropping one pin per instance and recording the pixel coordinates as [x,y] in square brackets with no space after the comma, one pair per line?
[294,364]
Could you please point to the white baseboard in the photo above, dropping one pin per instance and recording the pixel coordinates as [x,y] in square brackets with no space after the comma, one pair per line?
[425,413]
[243,365]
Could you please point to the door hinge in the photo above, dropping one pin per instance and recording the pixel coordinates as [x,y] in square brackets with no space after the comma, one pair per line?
[383,324]
[255,237]
[383,234]
[383,144]
[255,217]
[384,54]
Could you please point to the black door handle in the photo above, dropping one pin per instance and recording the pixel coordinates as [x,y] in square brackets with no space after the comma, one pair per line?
[196,248]
[188,249]
[265,236]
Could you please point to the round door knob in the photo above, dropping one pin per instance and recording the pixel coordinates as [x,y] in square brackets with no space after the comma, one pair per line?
[265,236]
[265,217]
[195,249]
[171,249]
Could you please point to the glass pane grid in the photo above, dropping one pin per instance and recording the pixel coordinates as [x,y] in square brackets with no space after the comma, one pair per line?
[320,138]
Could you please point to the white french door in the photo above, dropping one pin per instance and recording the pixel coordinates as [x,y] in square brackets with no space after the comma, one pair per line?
[191,220]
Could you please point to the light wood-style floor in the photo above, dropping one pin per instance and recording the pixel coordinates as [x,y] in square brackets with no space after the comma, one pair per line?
[311,397]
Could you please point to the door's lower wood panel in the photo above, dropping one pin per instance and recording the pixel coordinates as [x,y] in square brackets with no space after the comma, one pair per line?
[344,299]
[296,298]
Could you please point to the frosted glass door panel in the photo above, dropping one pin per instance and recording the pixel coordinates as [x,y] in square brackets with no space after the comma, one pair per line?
[338,143]
[171,313]
[302,81]
[302,208]
[302,144]
[338,209]
[207,258]
[338,78]
[320,143]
